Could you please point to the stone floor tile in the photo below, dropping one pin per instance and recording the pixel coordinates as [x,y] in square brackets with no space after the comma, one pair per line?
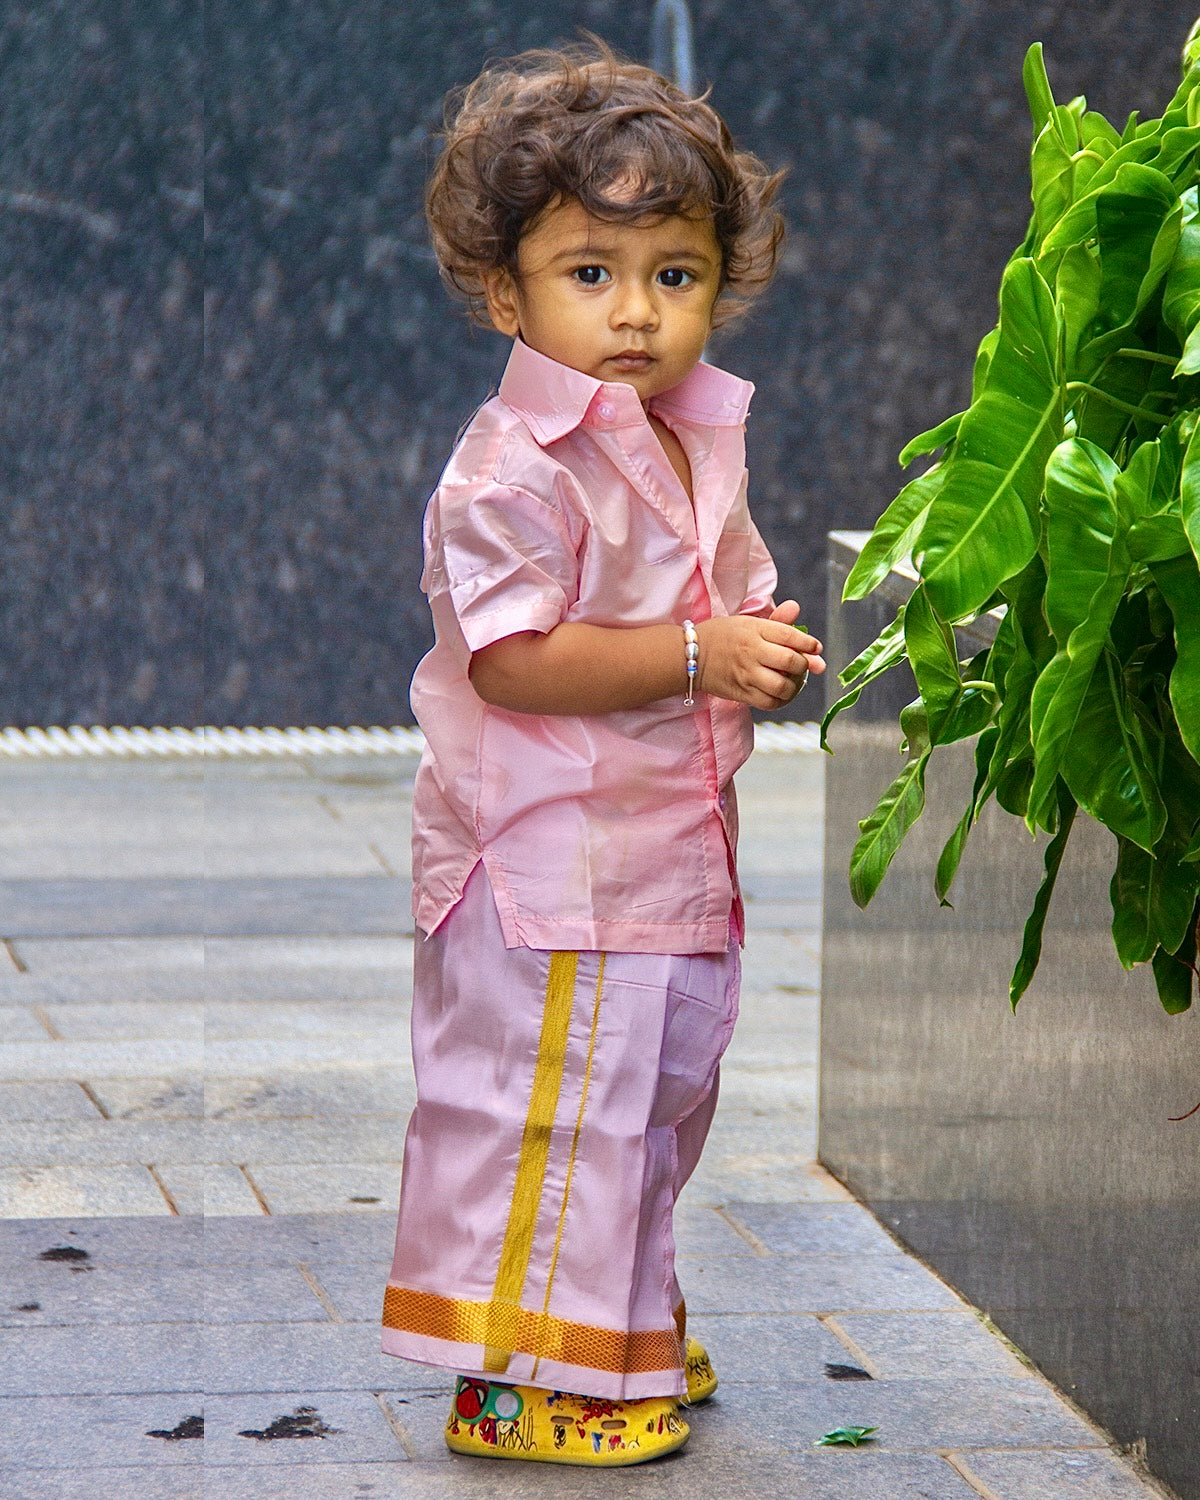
[702,1229]
[814,1228]
[777,959]
[54,1192]
[362,1236]
[370,1020]
[145,1483]
[73,1293]
[910,1414]
[96,1432]
[260,1294]
[209,1188]
[747,1157]
[132,1359]
[765,1347]
[330,984]
[117,1241]
[29,1061]
[19,1024]
[99,1142]
[355,1288]
[122,983]
[810,1183]
[682,1476]
[282,1357]
[929,1345]
[332,1092]
[774,1091]
[286,850]
[62,1100]
[1055,1476]
[331,1188]
[115,1020]
[814,1283]
[177,1098]
[284,1053]
[89,955]
[355,1429]
[308,1142]
[385,954]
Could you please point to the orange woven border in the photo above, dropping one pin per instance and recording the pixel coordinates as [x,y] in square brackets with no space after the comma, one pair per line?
[638,1352]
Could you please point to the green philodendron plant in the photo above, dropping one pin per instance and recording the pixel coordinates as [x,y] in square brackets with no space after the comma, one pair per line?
[1067,500]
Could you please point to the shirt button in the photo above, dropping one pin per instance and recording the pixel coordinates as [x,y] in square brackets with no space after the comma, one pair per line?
[721,801]
[606,412]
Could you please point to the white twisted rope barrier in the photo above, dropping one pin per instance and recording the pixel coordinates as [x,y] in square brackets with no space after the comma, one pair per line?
[79,742]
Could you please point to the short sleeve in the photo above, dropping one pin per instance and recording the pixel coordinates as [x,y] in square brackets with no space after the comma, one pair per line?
[507,559]
[763,578]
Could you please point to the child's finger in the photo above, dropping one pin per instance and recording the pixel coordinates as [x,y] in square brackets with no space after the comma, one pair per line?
[786,613]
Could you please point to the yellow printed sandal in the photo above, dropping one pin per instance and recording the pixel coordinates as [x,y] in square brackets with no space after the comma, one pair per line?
[521,1421]
[701,1377]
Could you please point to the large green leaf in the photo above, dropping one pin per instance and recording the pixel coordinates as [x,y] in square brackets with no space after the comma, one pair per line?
[1153,897]
[886,649]
[1179,582]
[1181,294]
[1037,87]
[930,646]
[901,805]
[895,531]
[1138,222]
[952,850]
[930,441]
[1031,943]
[1175,975]
[1086,577]
[1077,294]
[1082,520]
[982,525]
[1108,765]
[1189,487]
[1078,223]
[879,657]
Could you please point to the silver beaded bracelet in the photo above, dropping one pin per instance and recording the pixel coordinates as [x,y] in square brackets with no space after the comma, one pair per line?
[691,649]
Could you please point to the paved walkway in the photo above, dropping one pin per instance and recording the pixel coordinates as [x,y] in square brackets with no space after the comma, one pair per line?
[234,1047]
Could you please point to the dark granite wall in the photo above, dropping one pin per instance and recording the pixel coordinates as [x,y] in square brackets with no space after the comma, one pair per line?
[225,526]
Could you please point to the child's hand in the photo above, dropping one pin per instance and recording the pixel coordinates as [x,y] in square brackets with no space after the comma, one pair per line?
[762,663]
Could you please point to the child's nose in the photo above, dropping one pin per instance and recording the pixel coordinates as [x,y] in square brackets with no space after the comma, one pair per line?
[634,308]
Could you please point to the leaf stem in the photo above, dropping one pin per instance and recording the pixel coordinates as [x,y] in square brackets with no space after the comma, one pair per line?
[1147,354]
[1125,406]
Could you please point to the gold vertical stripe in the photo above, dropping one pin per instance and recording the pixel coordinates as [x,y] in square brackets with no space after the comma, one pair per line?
[562,1214]
[504,1308]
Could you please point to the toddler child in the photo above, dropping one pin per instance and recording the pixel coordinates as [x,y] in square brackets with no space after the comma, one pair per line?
[604,622]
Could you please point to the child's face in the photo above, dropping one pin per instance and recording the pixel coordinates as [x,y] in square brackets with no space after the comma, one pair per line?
[620,302]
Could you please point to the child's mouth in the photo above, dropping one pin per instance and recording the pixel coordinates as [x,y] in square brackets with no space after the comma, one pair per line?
[632,359]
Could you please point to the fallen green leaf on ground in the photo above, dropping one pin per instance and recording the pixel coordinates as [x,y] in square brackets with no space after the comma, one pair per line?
[845,1437]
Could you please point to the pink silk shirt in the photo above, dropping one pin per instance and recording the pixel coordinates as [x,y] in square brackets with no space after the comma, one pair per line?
[614,832]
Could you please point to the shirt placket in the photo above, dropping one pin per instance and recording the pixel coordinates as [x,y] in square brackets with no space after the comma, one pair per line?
[699,595]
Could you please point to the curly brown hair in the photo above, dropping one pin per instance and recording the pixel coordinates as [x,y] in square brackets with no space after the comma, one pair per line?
[582,123]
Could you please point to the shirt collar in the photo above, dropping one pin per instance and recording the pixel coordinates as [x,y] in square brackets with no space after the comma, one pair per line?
[552,399]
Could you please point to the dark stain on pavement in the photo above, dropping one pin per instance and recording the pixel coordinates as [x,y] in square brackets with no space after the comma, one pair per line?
[65,1252]
[305,1422]
[189,1427]
[847,1372]
[28,1307]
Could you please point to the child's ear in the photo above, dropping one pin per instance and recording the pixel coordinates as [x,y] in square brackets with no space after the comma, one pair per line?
[501,292]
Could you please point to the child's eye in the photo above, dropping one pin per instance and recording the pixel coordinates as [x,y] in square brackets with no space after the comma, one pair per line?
[675,276]
[591,275]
